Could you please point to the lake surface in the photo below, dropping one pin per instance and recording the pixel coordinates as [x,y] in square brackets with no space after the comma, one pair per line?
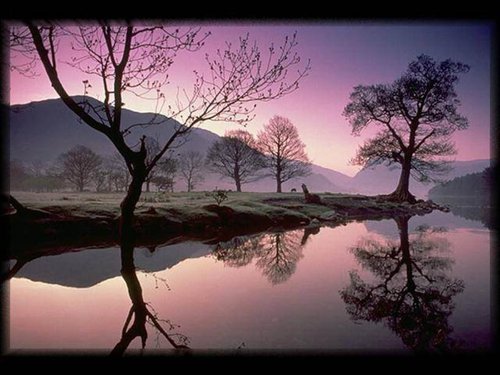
[390,286]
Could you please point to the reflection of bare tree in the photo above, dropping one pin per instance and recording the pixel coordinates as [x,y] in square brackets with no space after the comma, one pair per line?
[279,255]
[412,293]
[239,251]
[139,310]
[276,254]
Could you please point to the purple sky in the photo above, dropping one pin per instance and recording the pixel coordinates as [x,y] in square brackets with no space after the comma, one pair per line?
[342,55]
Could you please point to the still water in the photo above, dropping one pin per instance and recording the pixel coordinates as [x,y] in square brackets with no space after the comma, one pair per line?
[385,286]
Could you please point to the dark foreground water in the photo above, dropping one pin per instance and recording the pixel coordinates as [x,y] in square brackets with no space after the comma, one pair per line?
[375,286]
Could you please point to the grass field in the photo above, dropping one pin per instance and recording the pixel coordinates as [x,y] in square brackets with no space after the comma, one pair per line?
[92,218]
[184,204]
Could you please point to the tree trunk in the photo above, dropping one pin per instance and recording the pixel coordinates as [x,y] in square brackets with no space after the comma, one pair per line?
[402,223]
[127,244]
[127,207]
[189,185]
[402,192]
[138,309]
[237,177]
[278,179]
[147,185]
[278,186]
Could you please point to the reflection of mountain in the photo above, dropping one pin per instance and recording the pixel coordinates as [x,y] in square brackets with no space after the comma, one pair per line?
[86,268]
[469,208]
[434,219]
[482,214]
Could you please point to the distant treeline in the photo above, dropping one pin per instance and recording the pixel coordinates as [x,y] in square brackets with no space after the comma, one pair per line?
[475,186]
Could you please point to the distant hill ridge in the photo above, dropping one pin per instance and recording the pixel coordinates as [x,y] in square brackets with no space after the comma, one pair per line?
[471,185]
[43,130]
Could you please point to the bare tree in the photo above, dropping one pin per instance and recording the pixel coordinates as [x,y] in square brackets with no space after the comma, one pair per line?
[79,166]
[119,175]
[167,169]
[236,156]
[417,114]
[136,59]
[191,168]
[37,168]
[286,155]
[101,179]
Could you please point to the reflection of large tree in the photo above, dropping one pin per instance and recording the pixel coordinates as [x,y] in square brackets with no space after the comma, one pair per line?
[411,293]
[276,254]
[139,314]
[139,311]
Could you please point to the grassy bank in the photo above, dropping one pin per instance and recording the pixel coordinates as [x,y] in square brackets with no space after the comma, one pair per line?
[87,218]
[187,206]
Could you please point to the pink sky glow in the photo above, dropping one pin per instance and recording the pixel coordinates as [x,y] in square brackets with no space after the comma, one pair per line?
[342,56]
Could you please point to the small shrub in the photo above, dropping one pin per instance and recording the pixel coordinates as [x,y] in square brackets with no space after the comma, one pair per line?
[219,196]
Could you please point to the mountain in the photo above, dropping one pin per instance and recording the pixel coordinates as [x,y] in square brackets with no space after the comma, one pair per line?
[342,182]
[470,185]
[41,131]
[382,180]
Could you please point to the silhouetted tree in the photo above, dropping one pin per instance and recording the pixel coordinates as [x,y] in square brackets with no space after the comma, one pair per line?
[167,169]
[417,114]
[37,168]
[104,177]
[118,173]
[412,293]
[136,59]
[190,167]
[33,176]
[79,166]
[286,157]
[101,178]
[152,149]
[236,156]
